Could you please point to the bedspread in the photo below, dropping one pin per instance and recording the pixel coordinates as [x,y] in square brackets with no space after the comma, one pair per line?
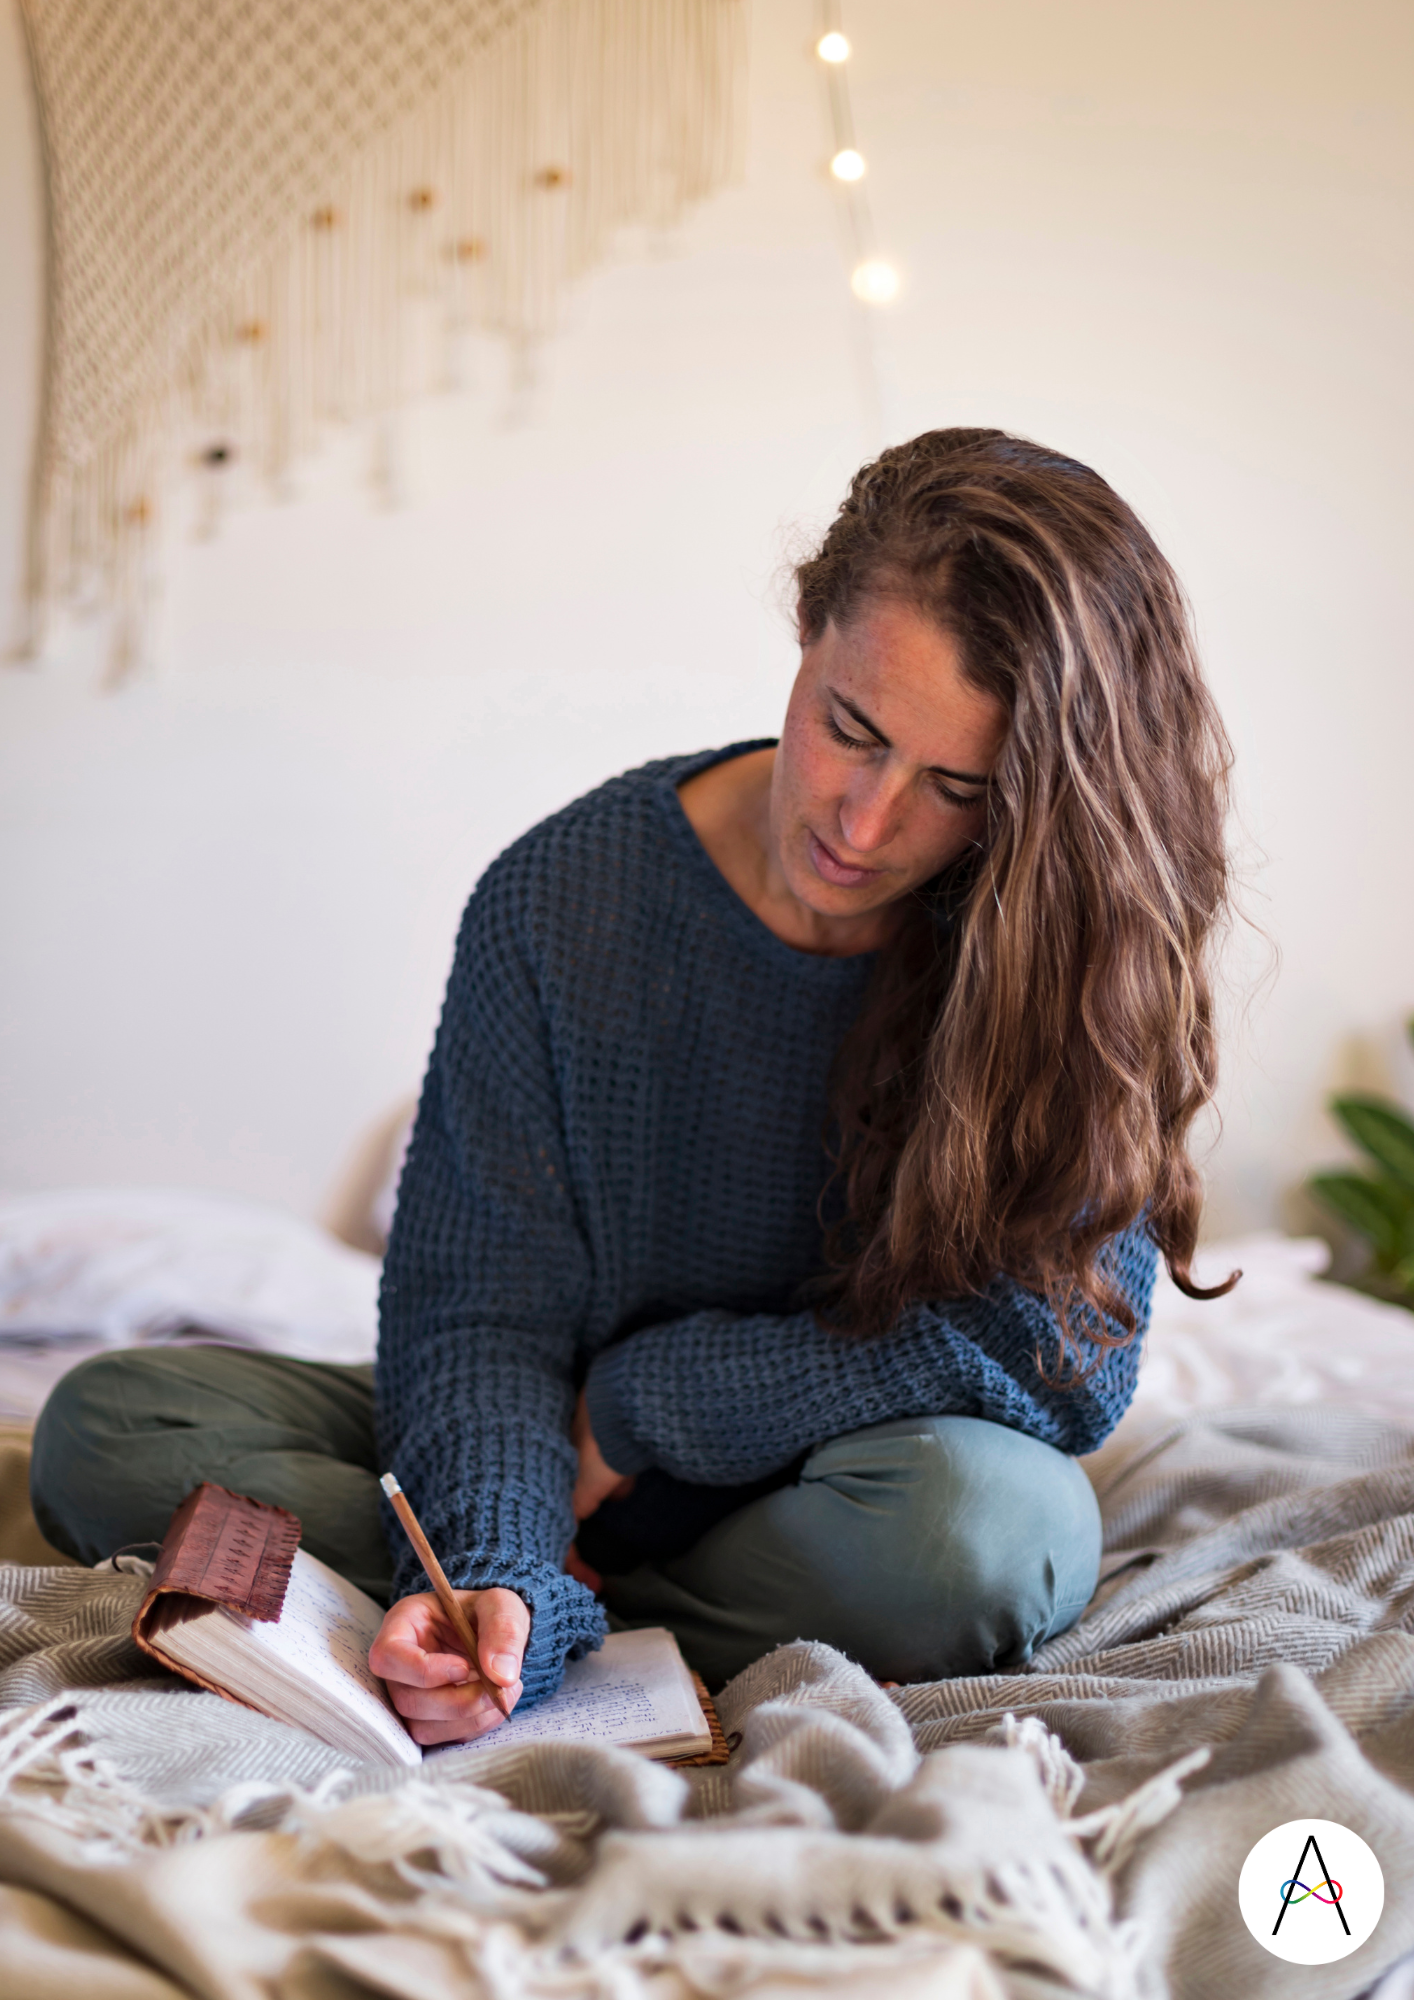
[1074,1828]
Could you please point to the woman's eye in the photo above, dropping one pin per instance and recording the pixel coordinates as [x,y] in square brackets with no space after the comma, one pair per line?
[964,802]
[843,736]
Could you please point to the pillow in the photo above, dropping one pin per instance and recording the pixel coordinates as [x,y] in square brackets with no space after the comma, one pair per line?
[137,1265]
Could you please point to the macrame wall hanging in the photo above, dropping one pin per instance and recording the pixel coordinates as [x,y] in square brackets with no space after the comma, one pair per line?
[267,214]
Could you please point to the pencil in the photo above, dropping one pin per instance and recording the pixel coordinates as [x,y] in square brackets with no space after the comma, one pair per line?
[446,1596]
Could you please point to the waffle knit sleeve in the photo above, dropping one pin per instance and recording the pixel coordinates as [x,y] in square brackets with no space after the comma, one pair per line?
[484,1293]
[690,1396]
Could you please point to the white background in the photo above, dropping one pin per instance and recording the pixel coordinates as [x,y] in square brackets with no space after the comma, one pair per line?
[1171,239]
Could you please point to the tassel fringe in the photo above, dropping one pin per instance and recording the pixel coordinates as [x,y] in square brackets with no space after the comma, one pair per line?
[475,209]
[958,1871]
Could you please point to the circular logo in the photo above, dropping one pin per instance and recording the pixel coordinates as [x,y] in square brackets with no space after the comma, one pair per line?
[1311,1891]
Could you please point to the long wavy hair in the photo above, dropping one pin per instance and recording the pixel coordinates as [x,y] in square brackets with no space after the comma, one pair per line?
[1038,1036]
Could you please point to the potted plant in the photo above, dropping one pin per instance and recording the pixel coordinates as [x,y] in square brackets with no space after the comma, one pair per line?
[1378,1204]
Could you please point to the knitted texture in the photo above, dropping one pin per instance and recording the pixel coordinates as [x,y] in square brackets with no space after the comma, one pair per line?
[614,1179]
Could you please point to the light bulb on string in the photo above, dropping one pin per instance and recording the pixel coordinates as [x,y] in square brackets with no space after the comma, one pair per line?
[874,282]
[847,165]
[832,48]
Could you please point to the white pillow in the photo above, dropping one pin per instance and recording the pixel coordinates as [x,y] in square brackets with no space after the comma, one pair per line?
[1280,1336]
[127,1266]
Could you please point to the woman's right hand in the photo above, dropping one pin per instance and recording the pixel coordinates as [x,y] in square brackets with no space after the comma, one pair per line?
[440,1696]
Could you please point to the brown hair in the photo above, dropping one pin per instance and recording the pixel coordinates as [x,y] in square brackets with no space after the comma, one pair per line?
[1038,1037]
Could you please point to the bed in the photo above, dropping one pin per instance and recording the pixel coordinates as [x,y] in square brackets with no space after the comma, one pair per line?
[1077,1828]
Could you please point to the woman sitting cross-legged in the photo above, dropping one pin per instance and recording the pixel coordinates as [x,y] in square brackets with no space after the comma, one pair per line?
[803,1125]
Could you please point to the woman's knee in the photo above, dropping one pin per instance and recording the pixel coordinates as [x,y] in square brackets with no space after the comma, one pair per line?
[125,1437]
[947,1545]
[97,1445]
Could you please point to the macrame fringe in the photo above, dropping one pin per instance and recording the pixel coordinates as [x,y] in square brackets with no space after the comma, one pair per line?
[537,1909]
[477,212]
[1062,1778]
[1112,1833]
[49,1769]
[1117,1830]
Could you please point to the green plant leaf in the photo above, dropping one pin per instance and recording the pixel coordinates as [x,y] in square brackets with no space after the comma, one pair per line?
[1387,1289]
[1379,1210]
[1380,1129]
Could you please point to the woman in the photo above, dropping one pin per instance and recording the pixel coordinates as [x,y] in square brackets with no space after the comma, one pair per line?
[802,1127]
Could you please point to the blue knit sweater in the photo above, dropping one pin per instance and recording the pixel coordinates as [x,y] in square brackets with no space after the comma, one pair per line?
[613,1180]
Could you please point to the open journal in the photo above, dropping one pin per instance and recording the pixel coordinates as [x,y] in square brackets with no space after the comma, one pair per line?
[635,1691]
[236,1606]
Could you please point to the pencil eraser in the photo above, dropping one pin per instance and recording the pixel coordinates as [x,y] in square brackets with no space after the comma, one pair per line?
[389,1484]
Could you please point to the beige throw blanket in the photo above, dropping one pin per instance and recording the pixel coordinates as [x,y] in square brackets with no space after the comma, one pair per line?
[1078,1828]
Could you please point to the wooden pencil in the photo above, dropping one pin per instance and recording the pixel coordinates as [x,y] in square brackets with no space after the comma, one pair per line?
[446,1596]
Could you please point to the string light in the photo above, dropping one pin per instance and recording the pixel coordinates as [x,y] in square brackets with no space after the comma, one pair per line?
[874,282]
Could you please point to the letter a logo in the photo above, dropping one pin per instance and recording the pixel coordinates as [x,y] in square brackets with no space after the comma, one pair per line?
[1322,1909]
[1324,1891]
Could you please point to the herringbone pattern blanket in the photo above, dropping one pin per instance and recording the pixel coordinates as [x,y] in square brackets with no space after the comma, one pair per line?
[1076,1828]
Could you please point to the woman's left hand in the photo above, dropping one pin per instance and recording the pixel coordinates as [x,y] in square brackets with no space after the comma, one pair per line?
[597,1481]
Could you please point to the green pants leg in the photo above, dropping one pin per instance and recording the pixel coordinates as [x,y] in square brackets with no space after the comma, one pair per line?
[934,1546]
[125,1437]
[926,1548]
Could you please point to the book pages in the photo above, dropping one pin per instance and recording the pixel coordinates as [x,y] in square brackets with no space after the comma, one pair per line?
[635,1692]
[310,1668]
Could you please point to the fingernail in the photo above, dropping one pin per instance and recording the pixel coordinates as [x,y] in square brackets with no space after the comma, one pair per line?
[505,1666]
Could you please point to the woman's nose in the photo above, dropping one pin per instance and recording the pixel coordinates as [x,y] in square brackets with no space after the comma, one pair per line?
[869,814]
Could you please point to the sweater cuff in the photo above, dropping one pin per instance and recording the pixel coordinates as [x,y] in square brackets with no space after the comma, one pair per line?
[566,1622]
[606,1392]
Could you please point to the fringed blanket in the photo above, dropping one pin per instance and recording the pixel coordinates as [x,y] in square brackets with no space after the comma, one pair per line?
[1075,1829]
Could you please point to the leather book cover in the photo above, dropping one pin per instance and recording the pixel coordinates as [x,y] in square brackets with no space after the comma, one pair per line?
[220,1548]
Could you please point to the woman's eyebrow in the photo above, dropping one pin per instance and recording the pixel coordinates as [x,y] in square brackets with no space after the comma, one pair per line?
[941,770]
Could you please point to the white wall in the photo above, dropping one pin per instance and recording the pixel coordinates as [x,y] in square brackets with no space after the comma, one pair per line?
[1171,239]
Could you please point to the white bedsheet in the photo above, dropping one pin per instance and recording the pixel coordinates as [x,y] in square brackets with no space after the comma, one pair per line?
[1283,1336]
[85,1269]
[89,1268]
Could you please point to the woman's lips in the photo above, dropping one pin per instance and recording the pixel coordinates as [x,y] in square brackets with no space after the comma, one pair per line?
[830,868]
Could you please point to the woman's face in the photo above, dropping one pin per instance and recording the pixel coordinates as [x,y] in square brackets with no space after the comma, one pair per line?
[880,777]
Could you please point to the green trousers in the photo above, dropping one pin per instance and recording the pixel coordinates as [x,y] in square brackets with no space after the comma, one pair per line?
[927,1547]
